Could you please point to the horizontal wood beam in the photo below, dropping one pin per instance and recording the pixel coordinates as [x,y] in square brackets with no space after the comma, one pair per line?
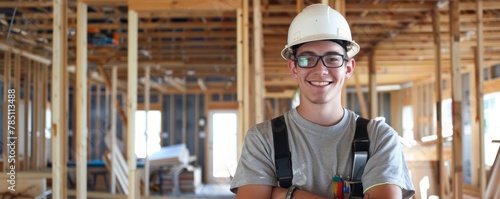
[38,4]
[181,86]
[177,63]
[426,152]
[157,86]
[26,54]
[392,6]
[145,25]
[25,175]
[105,2]
[102,195]
[491,86]
[25,4]
[283,94]
[167,5]
[158,14]
[202,84]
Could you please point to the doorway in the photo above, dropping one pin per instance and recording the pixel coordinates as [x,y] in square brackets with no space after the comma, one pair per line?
[222,151]
[147,136]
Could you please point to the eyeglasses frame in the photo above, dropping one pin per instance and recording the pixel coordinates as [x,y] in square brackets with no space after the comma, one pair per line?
[344,59]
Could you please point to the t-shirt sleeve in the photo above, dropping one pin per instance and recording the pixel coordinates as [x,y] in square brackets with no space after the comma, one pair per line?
[256,165]
[386,164]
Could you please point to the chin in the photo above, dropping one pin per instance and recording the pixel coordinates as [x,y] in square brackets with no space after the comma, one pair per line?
[318,100]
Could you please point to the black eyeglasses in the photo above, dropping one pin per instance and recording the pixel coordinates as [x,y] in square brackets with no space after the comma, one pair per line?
[329,61]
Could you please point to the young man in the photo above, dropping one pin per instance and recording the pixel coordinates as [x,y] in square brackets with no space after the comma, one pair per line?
[320,130]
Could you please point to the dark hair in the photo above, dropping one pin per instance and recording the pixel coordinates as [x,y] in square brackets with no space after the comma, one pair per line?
[342,43]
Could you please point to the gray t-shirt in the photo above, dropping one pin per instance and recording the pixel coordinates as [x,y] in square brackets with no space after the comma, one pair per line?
[321,152]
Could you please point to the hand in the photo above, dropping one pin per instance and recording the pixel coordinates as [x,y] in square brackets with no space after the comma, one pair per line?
[278,193]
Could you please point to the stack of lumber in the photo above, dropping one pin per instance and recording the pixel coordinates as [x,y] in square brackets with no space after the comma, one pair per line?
[189,181]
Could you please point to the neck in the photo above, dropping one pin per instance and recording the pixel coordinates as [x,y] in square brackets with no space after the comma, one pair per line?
[322,114]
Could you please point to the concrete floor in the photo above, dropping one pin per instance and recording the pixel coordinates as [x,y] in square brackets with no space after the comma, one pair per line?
[211,191]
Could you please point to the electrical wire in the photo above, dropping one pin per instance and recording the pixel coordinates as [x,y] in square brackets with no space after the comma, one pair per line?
[12,21]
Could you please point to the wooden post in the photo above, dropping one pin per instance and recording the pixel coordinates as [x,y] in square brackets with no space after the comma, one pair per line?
[442,178]
[207,101]
[59,64]
[36,115]
[6,87]
[258,43]
[372,84]
[246,70]
[240,83]
[380,105]
[172,119]
[14,135]
[132,101]
[300,6]
[42,147]
[146,109]
[107,110]
[89,121]
[479,97]
[74,143]
[97,120]
[196,127]
[113,129]
[456,76]
[339,5]
[27,140]
[124,130]
[184,118]
[163,125]
[359,93]
[81,129]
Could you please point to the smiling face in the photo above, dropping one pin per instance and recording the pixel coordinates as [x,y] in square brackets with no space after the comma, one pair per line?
[320,85]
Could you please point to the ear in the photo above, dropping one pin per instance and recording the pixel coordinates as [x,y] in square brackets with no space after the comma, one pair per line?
[350,65]
[292,68]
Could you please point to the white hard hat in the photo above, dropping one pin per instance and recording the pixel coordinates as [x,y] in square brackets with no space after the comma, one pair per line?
[319,22]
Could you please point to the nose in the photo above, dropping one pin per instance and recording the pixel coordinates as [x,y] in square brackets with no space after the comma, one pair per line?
[320,68]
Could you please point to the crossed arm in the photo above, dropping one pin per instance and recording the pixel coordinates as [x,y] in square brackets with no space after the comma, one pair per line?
[385,191]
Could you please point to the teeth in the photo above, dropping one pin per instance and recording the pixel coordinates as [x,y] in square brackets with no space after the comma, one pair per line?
[320,83]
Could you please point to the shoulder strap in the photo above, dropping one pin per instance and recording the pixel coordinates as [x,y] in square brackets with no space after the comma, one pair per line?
[360,148]
[282,155]
[361,141]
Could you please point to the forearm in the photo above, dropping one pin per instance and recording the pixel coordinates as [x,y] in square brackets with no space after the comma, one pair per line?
[386,191]
[280,193]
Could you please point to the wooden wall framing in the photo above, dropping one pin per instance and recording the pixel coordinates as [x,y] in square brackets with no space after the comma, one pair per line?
[59,101]
[7,80]
[81,130]
[457,168]
[478,87]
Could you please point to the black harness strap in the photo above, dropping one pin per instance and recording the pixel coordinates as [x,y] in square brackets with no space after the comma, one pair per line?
[361,141]
[282,155]
[360,153]
[283,158]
